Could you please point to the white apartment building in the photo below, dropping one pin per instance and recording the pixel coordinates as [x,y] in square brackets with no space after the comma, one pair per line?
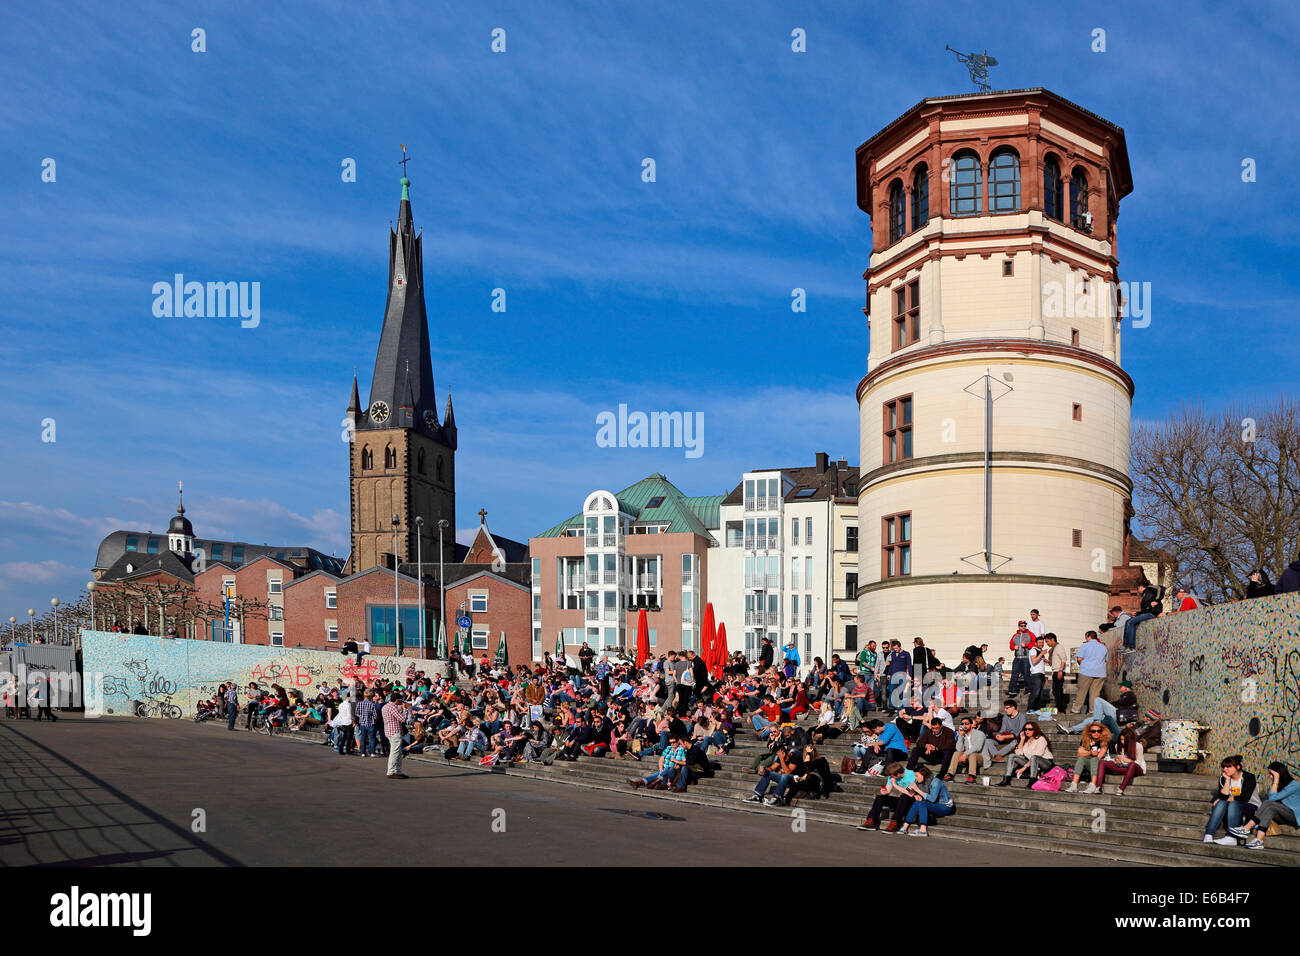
[779,566]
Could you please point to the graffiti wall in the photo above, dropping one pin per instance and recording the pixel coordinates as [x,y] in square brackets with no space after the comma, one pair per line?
[156,677]
[1234,668]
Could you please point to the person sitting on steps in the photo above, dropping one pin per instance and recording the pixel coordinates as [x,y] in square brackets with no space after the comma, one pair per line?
[1235,801]
[932,800]
[1128,760]
[1032,758]
[1281,804]
[1091,752]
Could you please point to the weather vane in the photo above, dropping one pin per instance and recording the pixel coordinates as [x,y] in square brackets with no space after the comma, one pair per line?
[978,64]
[406,159]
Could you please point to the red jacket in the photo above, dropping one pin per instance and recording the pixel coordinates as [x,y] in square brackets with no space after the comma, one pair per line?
[1033,639]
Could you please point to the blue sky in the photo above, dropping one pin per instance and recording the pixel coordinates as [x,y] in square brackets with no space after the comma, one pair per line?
[674,295]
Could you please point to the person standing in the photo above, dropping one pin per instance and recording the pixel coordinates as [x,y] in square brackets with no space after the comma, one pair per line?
[765,655]
[342,724]
[1022,642]
[39,698]
[394,716]
[232,705]
[585,656]
[1092,670]
[367,714]
[1056,660]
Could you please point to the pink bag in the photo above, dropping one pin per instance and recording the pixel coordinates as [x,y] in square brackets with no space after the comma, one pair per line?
[1050,781]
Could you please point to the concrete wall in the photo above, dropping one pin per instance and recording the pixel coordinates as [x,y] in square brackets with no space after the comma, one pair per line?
[1233,667]
[171,676]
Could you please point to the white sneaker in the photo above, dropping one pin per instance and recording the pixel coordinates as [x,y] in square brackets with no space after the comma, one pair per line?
[1073,787]
[1119,791]
[1224,841]
[1092,788]
[1210,839]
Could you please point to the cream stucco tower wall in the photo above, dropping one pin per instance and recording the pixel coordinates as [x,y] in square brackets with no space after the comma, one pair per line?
[1023,291]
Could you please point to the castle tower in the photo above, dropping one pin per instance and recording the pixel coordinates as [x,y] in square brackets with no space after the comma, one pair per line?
[993,222]
[402,457]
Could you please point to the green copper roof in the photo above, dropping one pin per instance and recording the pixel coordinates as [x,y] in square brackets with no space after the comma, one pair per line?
[693,515]
[406,188]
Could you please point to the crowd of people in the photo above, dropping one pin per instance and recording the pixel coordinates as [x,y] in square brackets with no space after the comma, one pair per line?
[920,725]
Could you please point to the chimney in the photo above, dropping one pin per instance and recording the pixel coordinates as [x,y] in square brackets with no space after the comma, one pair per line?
[843,464]
[823,461]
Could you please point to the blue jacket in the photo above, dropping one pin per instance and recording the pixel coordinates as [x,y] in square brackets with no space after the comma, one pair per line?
[938,793]
[1288,796]
[891,738]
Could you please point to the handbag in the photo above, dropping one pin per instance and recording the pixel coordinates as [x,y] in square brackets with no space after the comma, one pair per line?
[847,765]
[1050,781]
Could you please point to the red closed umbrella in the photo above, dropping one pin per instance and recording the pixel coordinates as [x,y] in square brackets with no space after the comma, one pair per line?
[708,636]
[721,653]
[642,639]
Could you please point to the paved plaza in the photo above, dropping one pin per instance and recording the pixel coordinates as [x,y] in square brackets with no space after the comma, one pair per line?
[124,792]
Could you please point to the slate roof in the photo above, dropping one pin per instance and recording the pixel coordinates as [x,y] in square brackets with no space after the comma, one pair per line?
[824,484]
[113,549]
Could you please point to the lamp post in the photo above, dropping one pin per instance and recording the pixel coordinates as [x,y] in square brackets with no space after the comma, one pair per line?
[31,624]
[54,603]
[397,604]
[90,587]
[442,587]
[419,574]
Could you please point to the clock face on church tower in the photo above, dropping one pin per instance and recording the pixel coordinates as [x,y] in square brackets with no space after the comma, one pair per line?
[379,413]
[430,421]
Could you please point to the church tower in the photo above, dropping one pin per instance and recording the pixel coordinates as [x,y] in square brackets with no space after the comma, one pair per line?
[402,456]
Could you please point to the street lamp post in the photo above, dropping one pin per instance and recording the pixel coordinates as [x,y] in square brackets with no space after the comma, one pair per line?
[419,574]
[397,603]
[90,587]
[442,587]
[31,624]
[54,603]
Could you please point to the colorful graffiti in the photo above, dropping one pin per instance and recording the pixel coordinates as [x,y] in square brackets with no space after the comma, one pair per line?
[155,677]
[1232,667]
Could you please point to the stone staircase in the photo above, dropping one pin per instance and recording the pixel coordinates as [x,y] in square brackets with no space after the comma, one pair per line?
[1158,822]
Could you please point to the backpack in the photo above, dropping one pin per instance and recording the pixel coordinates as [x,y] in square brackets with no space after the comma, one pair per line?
[1050,781]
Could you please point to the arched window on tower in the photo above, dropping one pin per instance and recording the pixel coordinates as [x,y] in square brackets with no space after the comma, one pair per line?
[438,466]
[897,211]
[367,458]
[390,457]
[920,196]
[419,460]
[965,192]
[1053,190]
[1078,197]
[1004,181]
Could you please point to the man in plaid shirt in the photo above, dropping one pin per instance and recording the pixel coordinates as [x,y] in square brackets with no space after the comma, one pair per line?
[366,713]
[671,764]
[394,715]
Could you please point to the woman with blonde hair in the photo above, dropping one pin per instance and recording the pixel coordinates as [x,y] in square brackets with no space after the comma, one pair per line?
[1092,751]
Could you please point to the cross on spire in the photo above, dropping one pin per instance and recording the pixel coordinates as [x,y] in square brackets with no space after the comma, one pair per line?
[482,516]
[405,159]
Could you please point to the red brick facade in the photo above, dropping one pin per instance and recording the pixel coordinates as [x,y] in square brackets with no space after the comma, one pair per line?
[509,609]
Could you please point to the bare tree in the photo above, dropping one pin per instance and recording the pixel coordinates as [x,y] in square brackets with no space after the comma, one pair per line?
[1221,492]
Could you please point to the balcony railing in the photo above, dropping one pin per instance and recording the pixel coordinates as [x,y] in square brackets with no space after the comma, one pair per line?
[756,580]
[611,577]
[593,577]
[608,540]
[755,617]
[688,578]
[611,614]
[649,582]
[593,614]
[750,504]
